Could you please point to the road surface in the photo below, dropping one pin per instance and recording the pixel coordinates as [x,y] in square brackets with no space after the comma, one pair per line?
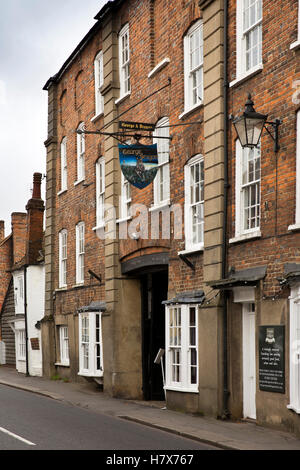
[33,422]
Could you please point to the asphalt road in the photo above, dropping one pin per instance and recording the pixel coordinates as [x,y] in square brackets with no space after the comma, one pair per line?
[34,422]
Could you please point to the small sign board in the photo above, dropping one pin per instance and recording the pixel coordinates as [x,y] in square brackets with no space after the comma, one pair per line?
[272,358]
[35,344]
[136,126]
[139,163]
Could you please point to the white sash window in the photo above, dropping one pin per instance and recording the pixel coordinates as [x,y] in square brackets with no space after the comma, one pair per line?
[194,203]
[162,179]
[80,250]
[100,192]
[91,345]
[99,80]
[64,169]
[295,350]
[182,348]
[64,345]
[124,61]
[193,67]
[249,37]
[80,154]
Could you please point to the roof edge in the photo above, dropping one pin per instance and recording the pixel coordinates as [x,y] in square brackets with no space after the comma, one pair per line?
[55,78]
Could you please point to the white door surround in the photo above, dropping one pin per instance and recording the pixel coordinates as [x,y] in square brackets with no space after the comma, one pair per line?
[249,361]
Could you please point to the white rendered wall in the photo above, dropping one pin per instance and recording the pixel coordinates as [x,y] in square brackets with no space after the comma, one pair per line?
[35,311]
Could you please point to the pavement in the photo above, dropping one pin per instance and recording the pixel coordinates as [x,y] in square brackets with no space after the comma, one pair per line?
[229,435]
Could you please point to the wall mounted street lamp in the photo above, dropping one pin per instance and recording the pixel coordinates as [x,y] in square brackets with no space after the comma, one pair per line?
[250,125]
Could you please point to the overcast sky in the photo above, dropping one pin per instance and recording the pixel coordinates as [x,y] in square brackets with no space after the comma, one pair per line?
[36,37]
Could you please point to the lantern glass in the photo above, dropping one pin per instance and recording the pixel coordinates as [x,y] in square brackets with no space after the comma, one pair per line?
[254,128]
[240,127]
[250,125]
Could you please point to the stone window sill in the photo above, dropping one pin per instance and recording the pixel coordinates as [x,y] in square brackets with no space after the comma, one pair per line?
[97,116]
[124,219]
[79,181]
[178,389]
[295,45]
[161,206]
[245,237]
[190,110]
[245,76]
[99,227]
[159,67]
[191,251]
[62,192]
[61,364]
[122,98]
[90,374]
[294,227]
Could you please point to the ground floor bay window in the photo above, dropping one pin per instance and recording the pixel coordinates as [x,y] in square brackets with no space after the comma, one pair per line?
[21,345]
[90,344]
[182,348]
[295,349]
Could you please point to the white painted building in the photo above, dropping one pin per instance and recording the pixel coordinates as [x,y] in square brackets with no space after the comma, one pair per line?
[29,291]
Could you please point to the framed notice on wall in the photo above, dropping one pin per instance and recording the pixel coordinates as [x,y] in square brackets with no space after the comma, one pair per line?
[272,358]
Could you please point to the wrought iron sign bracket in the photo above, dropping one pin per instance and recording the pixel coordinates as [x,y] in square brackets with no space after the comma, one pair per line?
[275,126]
[187,261]
[117,135]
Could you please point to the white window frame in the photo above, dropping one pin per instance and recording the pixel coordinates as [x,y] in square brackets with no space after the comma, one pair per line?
[80,252]
[90,344]
[295,349]
[298,170]
[296,44]
[100,193]
[64,345]
[63,165]
[161,186]
[190,244]
[125,198]
[63,257]
[190,71]
[124,62]
[21,344]
[19,293]
[80,154]
[297,210]
[180,341]
[99,80]
[239,194]
[241,34]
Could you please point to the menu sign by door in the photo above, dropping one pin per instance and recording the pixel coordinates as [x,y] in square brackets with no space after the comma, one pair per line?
[272,358]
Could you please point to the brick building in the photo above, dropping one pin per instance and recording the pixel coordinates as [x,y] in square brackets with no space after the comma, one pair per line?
[22,284]
[118,286]
[263,230]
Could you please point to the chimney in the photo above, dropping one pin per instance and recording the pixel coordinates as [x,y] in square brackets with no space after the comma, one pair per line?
[2,230]
[19,229]
[35,217]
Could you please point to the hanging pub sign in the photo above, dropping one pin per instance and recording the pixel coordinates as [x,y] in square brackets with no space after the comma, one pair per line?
[271,359]
[136,126]
[139,163]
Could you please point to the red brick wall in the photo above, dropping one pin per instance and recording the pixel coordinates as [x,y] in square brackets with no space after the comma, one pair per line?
[2,230]
[5,265]
[76,98]
[75,94]
[272,91]
[171,21]
[19,231]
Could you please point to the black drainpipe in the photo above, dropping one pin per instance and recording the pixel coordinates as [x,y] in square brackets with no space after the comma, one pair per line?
[26,323]
[225,413]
